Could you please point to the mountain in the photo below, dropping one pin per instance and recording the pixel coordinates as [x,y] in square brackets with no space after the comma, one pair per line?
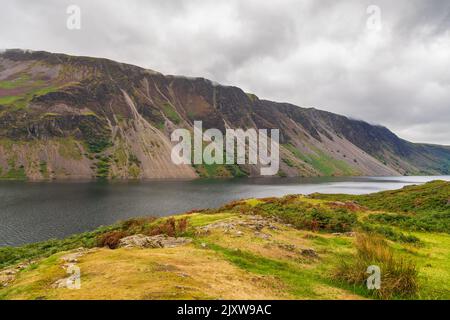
[73,117]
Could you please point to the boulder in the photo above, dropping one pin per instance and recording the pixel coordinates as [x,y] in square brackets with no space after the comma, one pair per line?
[309,253]
[158,241]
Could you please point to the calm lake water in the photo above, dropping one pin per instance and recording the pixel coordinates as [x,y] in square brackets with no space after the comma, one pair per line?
[36,211]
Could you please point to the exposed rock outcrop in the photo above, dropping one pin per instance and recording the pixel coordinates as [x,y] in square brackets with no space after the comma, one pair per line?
[158,241]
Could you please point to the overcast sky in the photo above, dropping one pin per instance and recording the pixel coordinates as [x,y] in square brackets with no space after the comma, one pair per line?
[320,53]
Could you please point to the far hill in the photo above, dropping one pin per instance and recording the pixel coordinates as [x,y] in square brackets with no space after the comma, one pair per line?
[67,117]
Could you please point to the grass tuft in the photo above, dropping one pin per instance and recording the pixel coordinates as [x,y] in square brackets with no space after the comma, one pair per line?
[399,277]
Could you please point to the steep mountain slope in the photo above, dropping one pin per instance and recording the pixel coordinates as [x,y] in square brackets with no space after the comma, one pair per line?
[79,117]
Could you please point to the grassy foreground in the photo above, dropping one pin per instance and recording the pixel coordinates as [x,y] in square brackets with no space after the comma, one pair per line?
[295,247]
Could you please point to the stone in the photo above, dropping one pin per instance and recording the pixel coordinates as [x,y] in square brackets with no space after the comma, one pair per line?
[239,234]
[309,252]
[287,247]
[262,235]
[158,241]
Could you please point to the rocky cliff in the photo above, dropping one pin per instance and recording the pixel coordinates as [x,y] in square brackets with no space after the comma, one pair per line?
[78,117]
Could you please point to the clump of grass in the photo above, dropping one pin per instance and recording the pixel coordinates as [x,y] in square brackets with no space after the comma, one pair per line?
[399,277]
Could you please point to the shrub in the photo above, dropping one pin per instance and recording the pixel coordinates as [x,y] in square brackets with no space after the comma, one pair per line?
[307,216]
[182,226]
[110,239]
[390,233]
[426,221]
[398,276]
[137,225]
[169,227]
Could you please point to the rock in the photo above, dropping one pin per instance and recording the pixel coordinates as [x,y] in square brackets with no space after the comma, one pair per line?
[254,222]
[309,253]
[9,275]
[287,247]
[170,242]
[69,282]
[350,234]
[183,275]
[203,245]
[239,233]
[72,257]
[158,241]
[10,272]
[346,234]
[225,226]
[6,278]
[61,283]
[140,241]
[262,235]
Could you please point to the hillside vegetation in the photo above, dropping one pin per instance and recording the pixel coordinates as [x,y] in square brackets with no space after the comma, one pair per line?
[68,117]
[294,247]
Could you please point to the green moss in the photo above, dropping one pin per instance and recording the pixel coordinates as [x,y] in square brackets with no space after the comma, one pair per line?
[103,165]
[50,114]
[252,96]
[281,173]
[160,126]
[236,171]
[43,169]
[97,146]
[134,160]
[15,174]
[69,149]
[134,171]
[289,162]
[7,100]
[171,113]
[322,162]
[120,155]
[16,83]
[21,101]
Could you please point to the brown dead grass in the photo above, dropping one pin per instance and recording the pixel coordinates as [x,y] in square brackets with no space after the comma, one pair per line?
[176,273]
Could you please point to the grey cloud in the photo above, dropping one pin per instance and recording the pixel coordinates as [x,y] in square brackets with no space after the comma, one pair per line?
[311,53]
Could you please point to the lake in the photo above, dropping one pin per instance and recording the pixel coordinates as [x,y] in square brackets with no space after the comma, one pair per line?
[36,211]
